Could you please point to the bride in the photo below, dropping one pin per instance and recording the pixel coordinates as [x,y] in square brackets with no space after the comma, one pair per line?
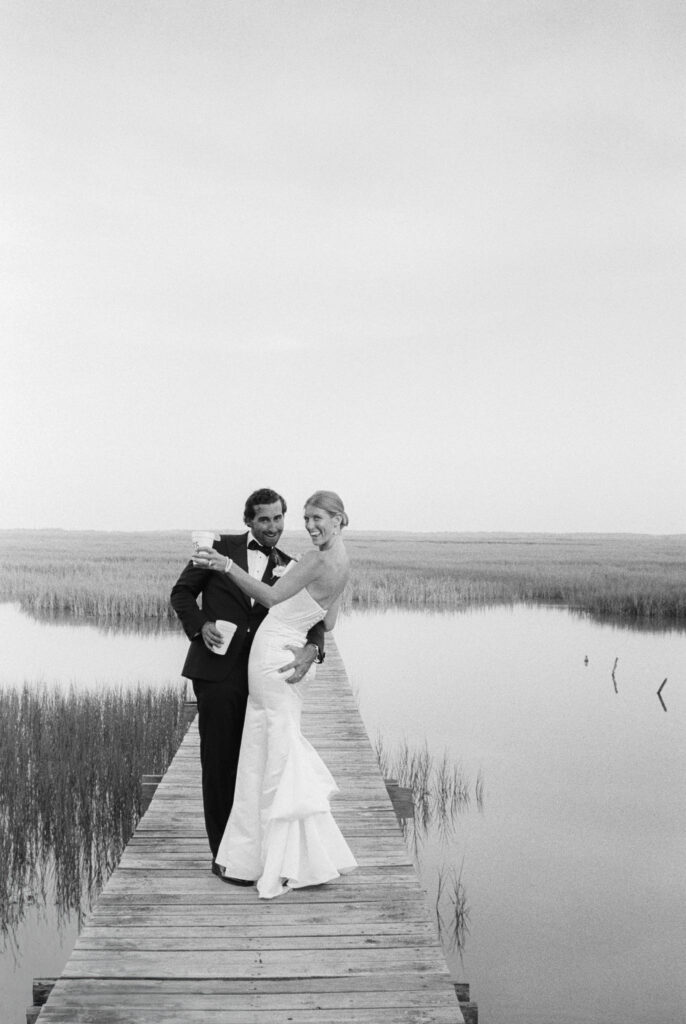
[281,831]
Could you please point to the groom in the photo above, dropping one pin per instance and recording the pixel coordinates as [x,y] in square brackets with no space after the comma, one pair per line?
[220,682]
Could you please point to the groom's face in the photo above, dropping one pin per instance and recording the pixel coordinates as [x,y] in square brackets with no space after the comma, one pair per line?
[267,524]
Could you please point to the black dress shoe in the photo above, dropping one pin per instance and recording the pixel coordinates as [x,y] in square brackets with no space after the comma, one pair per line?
[219,872]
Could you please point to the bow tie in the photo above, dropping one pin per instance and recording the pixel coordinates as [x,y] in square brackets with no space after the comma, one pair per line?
[254,546]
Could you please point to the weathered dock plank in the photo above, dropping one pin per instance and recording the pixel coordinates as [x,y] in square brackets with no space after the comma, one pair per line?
[167,942]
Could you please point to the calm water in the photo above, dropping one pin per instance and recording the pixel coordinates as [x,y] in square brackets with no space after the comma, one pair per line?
[83,655]
[575,868]
[575,872]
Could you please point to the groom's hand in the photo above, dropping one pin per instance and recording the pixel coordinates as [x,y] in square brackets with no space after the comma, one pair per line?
[303,659]
[211,635]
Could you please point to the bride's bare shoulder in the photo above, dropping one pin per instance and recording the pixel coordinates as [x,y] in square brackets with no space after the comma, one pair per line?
[310,560]
[342,570]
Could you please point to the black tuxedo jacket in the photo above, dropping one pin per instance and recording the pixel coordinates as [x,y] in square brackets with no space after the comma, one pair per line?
[223,599]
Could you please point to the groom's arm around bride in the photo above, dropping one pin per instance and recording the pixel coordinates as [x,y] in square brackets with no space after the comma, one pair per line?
[220,681]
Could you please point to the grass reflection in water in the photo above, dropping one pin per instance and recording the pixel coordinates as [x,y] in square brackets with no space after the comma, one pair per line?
[70,788]
[441,791]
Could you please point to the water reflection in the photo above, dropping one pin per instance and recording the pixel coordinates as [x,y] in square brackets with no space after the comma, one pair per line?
[108,626]
[40,895]
[575,866]
[633,623]
[440,787]
[612,620]
[440,792]
[59,651]
[452,909]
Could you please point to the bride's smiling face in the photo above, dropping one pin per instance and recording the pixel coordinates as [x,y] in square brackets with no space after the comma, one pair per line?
[321,526]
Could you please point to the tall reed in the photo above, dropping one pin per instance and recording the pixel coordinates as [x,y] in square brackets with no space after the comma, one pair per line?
[441,792]
[70,785]
[452,908]
[441,788]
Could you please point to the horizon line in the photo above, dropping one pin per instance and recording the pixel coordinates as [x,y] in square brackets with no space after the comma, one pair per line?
[352,532]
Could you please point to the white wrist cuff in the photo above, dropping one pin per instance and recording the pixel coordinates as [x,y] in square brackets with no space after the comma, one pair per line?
[310,643]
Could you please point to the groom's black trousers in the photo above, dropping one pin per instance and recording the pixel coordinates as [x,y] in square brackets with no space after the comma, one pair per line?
[221,714]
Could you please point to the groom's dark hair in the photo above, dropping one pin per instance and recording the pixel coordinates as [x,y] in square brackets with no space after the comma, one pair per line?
[262,497]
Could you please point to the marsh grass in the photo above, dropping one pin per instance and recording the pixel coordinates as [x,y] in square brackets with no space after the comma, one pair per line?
[441,788]
[441,791]
[104,577]
[637,578]
[70,787]
[127,577]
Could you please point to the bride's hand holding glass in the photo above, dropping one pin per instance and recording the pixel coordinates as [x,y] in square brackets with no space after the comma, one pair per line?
[208,558]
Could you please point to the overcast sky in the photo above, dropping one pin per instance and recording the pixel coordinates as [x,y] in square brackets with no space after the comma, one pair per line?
[429,254]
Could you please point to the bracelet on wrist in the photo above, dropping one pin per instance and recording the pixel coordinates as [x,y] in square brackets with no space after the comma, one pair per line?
[229,563]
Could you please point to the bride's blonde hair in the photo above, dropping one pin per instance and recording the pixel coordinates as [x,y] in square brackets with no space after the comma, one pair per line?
[331,503]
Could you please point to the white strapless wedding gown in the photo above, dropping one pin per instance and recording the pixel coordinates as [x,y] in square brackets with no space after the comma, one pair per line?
[281,830]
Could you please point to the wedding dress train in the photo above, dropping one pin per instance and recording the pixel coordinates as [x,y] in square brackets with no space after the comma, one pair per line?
[281,831]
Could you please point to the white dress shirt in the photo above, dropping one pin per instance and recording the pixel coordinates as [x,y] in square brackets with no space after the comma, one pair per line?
[257,561]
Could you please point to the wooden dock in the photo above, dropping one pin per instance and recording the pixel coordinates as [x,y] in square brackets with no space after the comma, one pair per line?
[169,943]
